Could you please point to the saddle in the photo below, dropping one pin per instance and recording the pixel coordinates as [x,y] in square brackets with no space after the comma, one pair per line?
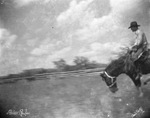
[144,56]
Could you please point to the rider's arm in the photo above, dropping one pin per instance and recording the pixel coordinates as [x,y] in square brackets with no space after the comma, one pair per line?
[143,42]
[138,39]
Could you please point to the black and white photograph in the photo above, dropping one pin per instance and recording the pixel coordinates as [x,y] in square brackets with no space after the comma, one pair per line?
[74,58]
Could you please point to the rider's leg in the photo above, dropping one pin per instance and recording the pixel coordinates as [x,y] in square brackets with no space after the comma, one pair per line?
[139,71]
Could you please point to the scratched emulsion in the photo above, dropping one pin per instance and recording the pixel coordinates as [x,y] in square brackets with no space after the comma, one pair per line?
[83,96]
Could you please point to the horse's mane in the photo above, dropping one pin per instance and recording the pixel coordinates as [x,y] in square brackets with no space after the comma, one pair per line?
[124,60]
[116,63]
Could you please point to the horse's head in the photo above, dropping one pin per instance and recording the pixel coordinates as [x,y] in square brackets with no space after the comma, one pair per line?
[123,64]
[110,81]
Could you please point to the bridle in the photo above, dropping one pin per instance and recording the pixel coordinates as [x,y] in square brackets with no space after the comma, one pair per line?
[111,77]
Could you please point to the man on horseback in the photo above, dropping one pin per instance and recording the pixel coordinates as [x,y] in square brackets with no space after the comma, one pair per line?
[134,63]
[140,43]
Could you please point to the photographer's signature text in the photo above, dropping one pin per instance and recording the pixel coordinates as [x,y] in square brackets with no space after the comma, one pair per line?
[21,112]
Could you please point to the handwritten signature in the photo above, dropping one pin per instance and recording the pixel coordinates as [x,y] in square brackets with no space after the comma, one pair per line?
[138,112]
[21,112]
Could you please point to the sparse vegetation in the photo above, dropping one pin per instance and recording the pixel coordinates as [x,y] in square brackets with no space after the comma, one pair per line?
[80,63]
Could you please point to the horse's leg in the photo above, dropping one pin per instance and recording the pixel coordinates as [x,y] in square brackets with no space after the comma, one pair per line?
[137,81]
[140,91]
[138,86]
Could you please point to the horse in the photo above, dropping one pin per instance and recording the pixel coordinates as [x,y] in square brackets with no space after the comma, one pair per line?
[125,65]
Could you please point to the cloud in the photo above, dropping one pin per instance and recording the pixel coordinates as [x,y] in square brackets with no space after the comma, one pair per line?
[110,31]
[75,12]
[90,27]
[48,51]
[6,40]
[60,54]
[21,3]
[47,60]
[8,61]
[32,42]
[48,46]
[101,52]
[43,49]
[131,10]
[120,6]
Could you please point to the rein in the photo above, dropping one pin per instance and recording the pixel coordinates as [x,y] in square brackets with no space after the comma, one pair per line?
[111,77]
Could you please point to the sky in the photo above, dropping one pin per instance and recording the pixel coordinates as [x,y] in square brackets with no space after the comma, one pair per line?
[34,33]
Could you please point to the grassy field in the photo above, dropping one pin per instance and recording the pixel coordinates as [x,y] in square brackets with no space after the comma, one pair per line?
[73,96]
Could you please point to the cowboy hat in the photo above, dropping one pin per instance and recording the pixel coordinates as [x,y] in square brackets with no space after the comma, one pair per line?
[133,24]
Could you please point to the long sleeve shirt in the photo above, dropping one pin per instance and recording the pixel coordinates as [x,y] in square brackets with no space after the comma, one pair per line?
[140,39]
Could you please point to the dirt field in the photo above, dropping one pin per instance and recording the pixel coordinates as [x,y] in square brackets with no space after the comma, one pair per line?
[72,96]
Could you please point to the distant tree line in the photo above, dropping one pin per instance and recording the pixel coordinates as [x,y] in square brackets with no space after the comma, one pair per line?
[79,63]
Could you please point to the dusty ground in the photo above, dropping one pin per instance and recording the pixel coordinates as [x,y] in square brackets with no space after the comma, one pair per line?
[84,96]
